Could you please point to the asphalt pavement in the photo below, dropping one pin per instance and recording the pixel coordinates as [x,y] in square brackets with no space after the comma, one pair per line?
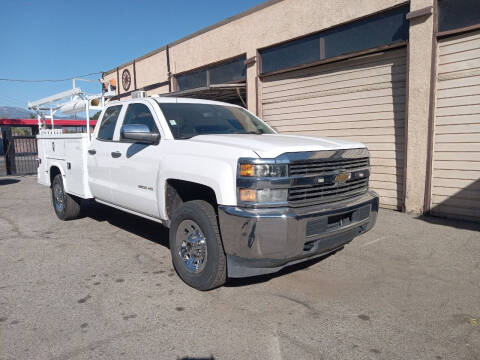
[103,287]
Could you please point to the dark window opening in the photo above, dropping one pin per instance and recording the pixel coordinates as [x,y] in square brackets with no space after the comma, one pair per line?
[374,31]
[457,14]
[226,72]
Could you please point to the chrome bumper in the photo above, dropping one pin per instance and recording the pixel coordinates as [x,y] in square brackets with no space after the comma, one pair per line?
[262,241]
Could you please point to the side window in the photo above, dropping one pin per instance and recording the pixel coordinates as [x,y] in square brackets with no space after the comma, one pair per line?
[140,114]
[109,120]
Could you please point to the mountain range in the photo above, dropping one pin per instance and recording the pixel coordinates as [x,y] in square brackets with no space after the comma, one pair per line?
[15,112]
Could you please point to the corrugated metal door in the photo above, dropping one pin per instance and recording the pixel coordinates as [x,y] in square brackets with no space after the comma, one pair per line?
[456,147]
[362,99]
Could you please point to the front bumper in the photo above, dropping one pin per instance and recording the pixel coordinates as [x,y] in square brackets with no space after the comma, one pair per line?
[262,241]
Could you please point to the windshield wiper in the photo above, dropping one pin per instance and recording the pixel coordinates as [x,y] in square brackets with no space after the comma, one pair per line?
[248,133]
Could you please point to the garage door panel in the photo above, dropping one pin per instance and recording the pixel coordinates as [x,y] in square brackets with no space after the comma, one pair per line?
[455,69]
[387,185]
[365,104]
[447,191]
[387,80]
[458,92]
[457,119]
[398,115]
[385,72]
[343,125]
[369,109]
[386,92]
[457,174]
[457,184]
[465,100]
[349,103]
[345,132]
[458,83]
[457,147]
[461,56]
[459,46]
[458,200]
[459,129]
[459,110]
[456,155]
[392,162]
[457,165]
[456,138]
[353,90]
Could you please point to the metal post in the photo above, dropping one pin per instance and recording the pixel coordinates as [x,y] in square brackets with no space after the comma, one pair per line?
[51,117]
[39,119]
[88,117]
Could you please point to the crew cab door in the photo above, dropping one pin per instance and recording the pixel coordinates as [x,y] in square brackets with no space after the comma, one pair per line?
[99,158]
[135,165]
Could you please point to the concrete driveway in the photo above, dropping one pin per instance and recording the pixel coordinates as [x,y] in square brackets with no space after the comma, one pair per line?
[103,287]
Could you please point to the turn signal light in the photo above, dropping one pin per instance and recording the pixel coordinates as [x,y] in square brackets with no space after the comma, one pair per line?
[246,170]
[249,195]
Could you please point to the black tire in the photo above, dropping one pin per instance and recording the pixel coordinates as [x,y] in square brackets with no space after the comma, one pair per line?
[67,207]
[213,272]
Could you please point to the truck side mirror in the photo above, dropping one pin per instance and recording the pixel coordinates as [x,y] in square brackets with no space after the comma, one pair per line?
[139,133]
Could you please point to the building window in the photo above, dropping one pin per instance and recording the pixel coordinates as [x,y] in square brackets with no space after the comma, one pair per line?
[226,72]
[457,14]
[371,32]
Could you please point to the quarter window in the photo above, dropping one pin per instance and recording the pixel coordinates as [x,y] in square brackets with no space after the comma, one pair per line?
[140,114]
[109,120]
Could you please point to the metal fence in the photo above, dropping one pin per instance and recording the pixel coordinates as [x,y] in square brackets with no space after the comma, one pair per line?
[18,155]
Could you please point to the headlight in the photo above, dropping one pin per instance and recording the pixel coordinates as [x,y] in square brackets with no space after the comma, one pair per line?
[263,170]
[263,195]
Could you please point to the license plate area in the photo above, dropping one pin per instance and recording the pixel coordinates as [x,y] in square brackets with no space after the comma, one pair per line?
[335,222]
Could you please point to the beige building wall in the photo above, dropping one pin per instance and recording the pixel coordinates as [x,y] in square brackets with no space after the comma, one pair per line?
[421,46]
[152,69]
[282,21]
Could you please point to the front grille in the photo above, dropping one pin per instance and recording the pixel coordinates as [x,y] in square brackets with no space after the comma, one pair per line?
[307,190]
[317,167]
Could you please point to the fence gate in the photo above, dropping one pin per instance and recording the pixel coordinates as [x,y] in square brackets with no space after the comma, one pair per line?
[20,153]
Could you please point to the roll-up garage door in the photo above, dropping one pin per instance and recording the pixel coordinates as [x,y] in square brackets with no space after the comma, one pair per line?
[361,99]
[456,145]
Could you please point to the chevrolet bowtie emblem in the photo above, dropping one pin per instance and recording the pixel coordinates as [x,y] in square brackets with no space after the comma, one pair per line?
[342,178]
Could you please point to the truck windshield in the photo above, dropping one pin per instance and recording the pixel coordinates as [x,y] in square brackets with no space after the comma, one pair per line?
[187,120]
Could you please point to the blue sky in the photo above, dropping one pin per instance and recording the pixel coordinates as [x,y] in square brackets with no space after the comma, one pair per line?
[48,39]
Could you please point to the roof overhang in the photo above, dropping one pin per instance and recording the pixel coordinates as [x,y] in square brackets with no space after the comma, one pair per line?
[231,93]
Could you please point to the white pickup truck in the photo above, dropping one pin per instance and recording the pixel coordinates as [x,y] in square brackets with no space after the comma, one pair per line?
[239,199]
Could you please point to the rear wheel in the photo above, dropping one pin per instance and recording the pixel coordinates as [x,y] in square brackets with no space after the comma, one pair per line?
[66,206]
[196,246]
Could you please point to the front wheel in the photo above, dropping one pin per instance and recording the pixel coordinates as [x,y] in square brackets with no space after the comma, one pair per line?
[66,206]
[196,246]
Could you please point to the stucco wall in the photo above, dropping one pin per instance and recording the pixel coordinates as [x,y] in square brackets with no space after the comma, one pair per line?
[419,79]
[152,69]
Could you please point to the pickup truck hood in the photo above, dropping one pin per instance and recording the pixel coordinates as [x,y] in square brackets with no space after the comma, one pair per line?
[272,145]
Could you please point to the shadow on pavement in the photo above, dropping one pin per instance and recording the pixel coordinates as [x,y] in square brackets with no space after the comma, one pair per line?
[8,181]
[145,228]
[459,224]
[238,282]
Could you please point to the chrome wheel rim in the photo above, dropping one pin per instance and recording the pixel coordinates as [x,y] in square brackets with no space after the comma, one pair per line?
[193,246]
[58,197]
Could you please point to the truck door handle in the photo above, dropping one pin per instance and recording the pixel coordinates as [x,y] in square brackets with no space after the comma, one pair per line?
[116,154]
[92,151]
